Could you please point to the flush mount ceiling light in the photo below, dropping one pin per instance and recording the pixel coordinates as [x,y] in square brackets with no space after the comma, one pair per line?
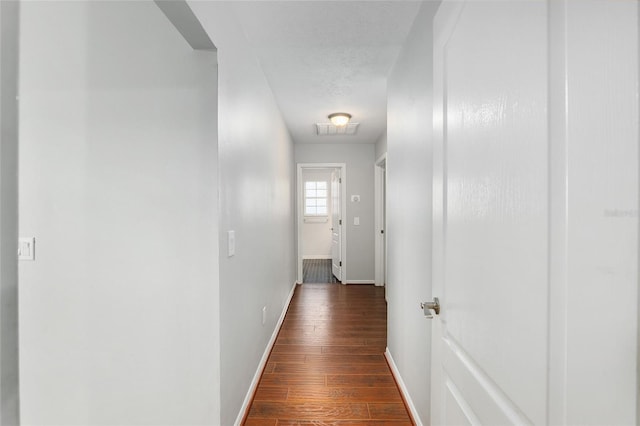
[339,118]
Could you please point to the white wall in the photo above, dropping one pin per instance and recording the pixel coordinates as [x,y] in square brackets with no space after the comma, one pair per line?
[409,174]
[359,159]
[9,389]
[256,196]
[118,174]
[316,235]
[381,144]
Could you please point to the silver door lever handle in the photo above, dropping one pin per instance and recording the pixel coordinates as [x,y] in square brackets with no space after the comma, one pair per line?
[427,307]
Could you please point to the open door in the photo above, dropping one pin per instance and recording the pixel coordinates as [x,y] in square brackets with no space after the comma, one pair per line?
[491,239]
[338,210]
[336,225]
[527,253]
[380,187]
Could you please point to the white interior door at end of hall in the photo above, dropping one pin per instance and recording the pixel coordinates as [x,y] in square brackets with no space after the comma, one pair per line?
[336,226]
[490,214]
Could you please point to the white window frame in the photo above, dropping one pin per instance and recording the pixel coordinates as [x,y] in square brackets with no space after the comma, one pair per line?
[326,198]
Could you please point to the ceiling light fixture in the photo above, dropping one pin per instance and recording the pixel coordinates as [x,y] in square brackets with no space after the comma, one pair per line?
[339,118]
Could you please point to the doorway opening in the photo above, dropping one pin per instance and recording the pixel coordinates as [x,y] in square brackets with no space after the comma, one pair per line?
[321,236]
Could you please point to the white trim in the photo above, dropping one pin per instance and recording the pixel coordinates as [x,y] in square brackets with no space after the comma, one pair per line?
[358,282]
[316,219]
[379,220]
[300,211]
[263,362]
[316,256]
[403,388]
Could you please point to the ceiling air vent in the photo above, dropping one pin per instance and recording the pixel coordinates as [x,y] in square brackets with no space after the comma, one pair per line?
[328,129]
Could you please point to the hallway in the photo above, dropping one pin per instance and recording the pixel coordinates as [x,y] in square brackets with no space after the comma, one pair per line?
[151,166]
[328,362]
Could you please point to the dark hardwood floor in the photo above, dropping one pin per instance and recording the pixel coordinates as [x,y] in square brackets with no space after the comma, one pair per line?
[327,366]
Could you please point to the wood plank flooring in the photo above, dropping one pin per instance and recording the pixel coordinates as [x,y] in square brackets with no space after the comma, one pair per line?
[327,366]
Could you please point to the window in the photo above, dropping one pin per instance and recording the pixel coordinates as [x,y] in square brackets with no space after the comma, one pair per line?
[315,199]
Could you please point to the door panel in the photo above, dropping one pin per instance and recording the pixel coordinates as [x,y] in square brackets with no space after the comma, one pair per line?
[493,241]
[535,212]
[454,403]
[479,397]
[602,212]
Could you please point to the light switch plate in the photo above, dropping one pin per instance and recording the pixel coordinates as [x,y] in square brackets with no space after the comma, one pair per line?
[355,198]
[356,221]
[27,248]
[231,243]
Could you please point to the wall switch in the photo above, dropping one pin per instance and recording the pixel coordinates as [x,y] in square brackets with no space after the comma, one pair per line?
[264,315]
[231,243]
[27,248]
[355,198]
[356,221]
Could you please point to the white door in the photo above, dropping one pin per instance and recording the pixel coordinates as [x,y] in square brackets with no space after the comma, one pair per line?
[383,228]
[519,207]
[380,248]
[336,225]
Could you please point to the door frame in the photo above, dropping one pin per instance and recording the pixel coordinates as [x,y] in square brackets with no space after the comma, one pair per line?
[380,174]
[9,223]
[300,213]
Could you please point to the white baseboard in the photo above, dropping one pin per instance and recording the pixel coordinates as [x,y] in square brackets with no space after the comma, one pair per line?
[263,361]
[316,256]
[403,388]
[358,282]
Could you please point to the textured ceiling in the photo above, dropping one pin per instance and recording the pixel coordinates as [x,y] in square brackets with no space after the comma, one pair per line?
[328,56]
